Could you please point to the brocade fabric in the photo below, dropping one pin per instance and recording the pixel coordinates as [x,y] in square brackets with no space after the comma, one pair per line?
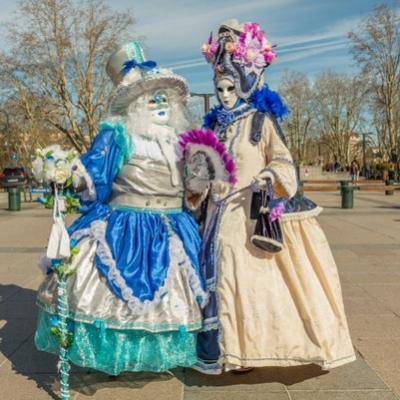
[267,309]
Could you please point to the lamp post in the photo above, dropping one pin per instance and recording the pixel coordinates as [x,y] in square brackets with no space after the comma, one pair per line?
[206,97]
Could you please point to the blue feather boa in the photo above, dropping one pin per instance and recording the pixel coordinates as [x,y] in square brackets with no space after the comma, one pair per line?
[264,100]
[210,118]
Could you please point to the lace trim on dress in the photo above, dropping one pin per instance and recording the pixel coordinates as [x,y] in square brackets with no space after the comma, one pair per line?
[281,180]
[297,216]
[179,260]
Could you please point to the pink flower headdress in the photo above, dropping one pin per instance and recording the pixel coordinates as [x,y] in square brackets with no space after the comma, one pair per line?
[250,48]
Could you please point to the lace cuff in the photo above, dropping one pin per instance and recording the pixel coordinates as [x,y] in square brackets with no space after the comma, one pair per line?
[82,182]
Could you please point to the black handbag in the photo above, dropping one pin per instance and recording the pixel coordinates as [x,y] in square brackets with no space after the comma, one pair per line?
[267,235]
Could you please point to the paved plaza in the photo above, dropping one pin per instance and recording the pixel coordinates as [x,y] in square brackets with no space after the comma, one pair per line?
[366,245]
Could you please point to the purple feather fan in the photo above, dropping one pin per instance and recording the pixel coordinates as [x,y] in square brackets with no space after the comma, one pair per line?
[206,141]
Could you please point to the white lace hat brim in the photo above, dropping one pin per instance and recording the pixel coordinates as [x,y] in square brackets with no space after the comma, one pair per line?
[125,94]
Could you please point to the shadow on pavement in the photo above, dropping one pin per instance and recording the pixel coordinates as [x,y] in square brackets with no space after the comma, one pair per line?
[92,381]
[18,312]
[283,375]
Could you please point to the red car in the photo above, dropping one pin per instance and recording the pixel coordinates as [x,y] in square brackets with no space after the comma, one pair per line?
[14,176]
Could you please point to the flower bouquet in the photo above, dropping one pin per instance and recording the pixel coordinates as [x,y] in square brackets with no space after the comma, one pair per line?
[52,167]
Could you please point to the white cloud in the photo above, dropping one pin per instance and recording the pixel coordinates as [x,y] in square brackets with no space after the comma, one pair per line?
[175,30]
[186,24]
[287,55]
[199,63]
[300,47]
[337,30]
[312,51]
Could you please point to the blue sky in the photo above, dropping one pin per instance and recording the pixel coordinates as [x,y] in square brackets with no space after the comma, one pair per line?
[310,34]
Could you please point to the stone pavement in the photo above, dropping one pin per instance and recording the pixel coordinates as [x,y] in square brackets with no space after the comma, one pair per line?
[366,244]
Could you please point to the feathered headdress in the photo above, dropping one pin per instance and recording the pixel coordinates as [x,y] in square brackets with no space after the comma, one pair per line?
[242,52]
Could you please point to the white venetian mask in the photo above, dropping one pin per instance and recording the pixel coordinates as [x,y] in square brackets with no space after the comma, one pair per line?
[159,108]
[226,93]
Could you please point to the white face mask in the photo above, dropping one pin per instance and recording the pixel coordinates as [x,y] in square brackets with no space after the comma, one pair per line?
[159,109]
[227,93]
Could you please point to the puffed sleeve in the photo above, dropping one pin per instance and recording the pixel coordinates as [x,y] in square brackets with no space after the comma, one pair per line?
[279,162]
[99,167]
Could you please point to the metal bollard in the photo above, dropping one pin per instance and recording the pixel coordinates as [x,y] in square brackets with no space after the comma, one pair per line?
[14,199]
[347,192]
[389,182]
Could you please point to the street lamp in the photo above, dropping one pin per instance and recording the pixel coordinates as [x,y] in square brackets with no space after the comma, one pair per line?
[206,97]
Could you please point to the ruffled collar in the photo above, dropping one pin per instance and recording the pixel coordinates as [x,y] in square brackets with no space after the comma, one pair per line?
[263,100]
[165,140]
[155,132]
[220,118]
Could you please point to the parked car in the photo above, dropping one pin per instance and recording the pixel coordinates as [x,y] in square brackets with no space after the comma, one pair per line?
[15,176]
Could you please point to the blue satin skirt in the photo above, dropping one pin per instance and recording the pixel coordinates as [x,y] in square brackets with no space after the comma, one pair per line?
[139,242]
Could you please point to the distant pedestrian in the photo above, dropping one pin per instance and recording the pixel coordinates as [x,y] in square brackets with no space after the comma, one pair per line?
[367,171]
[354,170]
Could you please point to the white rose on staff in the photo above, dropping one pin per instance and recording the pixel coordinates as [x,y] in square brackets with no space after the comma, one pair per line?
[62,172]
[49,170]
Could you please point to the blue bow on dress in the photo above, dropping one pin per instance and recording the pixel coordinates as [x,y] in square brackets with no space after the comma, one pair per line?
[224,118]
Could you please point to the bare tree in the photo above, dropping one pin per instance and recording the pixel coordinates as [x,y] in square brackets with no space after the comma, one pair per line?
[297,91]
[58,51]
[339,102]
[376,47]
[24,128]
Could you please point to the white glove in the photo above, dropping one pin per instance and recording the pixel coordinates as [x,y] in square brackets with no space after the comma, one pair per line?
[78,176]
[82,182]
[219,190]
[260,181]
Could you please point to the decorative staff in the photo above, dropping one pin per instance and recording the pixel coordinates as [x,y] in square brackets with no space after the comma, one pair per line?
[53,166]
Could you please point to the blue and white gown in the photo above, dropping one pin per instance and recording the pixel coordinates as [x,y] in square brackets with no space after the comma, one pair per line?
[135,299]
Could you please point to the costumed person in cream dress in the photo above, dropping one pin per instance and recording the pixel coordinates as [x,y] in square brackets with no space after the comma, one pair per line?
[136,293]
[275,300]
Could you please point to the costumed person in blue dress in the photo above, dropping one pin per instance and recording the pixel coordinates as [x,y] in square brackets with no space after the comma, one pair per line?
[135,289]
[274,290]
